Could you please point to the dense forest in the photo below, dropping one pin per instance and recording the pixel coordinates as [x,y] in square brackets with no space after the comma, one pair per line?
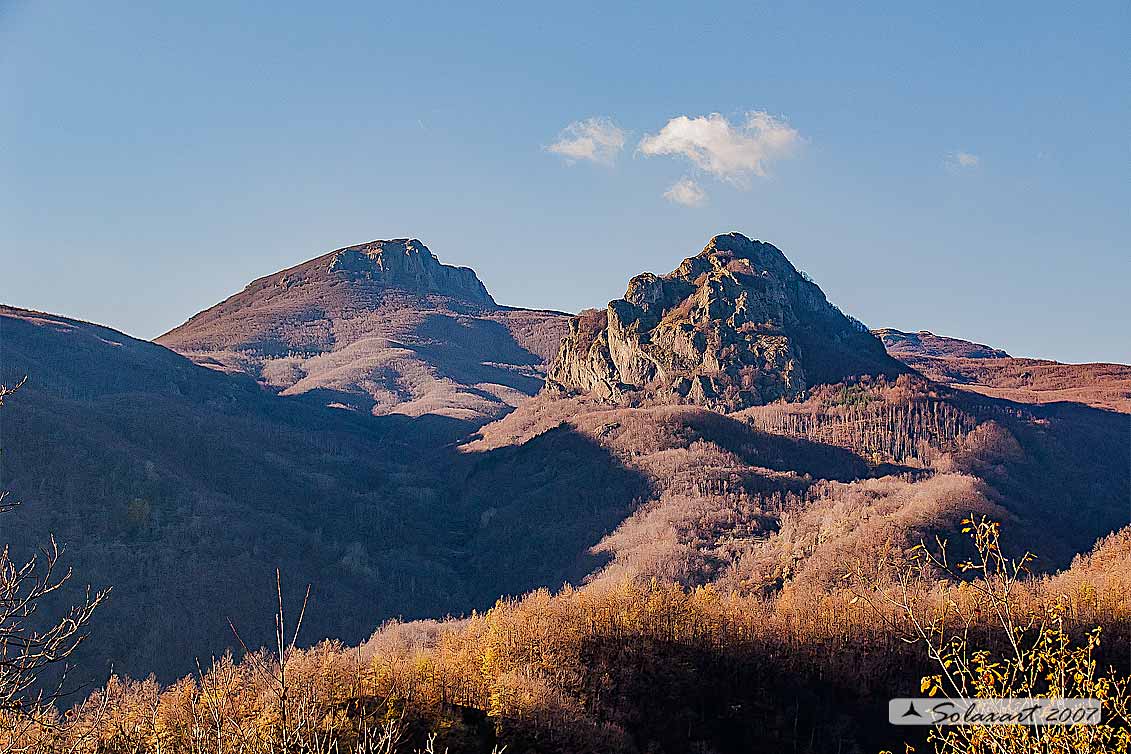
[635,665]
[778,575]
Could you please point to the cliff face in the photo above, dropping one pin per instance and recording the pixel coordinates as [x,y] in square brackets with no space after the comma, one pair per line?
[734,326]
[407,263]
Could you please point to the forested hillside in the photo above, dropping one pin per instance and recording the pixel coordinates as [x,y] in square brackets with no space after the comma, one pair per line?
[705,534]
[185,487]
[636,665]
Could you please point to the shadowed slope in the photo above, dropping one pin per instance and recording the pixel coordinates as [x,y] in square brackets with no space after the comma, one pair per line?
[184,488]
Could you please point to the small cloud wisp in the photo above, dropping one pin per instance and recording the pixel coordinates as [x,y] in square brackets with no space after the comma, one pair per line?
[686,192]
[597,140]
[963,160]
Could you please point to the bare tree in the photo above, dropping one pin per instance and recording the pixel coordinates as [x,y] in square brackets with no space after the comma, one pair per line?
[275,672]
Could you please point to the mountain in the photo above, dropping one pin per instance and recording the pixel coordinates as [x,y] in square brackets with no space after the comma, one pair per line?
[683,379]
[184,487]
[990,371]
[926,344]
[379,328]
[734,326]
[735,329]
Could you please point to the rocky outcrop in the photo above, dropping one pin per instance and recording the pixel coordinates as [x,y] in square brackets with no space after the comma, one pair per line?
[903,345]
[407,263]
[734,326]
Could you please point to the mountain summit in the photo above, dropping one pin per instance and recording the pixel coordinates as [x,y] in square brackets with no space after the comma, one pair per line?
[406,263]
[345,281]
[381,327]
[734,326]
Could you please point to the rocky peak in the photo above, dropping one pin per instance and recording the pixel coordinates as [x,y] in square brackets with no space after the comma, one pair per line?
[294,310]
[733,326]
[406,263]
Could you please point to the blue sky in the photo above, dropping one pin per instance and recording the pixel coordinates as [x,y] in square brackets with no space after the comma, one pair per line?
[958,167]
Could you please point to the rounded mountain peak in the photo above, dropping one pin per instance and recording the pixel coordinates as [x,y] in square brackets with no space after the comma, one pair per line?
[292,310]
[726,247]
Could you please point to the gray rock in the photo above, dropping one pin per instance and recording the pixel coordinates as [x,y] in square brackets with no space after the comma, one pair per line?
[734,326]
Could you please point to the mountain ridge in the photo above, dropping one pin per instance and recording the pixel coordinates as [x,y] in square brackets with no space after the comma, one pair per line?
[271,459]
[977,368]
[926,343]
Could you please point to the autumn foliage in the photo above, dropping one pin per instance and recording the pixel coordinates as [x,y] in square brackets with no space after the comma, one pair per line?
[627,665]
[766,591]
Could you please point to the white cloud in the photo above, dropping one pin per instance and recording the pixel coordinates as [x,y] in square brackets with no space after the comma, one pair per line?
[686,192]
[595,139]
[964,160]
[728,151]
